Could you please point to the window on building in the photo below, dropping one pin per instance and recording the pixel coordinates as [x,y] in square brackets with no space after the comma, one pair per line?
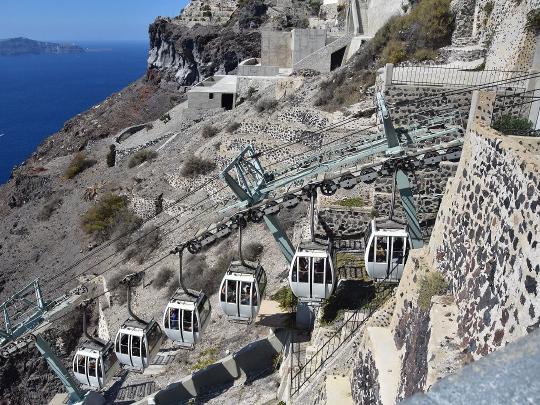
[211,96]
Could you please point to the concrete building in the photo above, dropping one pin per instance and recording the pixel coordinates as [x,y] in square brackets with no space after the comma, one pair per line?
[215,92]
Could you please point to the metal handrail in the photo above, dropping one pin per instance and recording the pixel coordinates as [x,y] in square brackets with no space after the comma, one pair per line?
[302,369]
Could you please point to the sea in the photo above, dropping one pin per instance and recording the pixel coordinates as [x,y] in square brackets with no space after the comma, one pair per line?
[38,93]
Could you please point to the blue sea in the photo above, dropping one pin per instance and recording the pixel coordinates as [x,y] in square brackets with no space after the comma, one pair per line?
[38,93]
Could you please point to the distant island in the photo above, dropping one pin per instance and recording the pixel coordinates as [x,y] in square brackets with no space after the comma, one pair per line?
[25,46]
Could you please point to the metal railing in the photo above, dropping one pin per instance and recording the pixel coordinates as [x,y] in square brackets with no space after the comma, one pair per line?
[304,372]
[441,76]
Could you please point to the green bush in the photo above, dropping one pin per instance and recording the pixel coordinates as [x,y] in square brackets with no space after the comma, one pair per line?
[141,156]
[231,127]
[196,166]
[393,52]
[209,131]
[351,202]
[78,165]
[206,358]
[266,104]
[286,299]
[488,8]
[431,284]
[108,216]
[423,54]
[510,125]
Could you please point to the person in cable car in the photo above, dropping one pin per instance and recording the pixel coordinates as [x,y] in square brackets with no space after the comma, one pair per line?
[174,318]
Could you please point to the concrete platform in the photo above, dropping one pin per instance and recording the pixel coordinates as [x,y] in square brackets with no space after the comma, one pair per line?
[272,316]
[338,390]
[387,361]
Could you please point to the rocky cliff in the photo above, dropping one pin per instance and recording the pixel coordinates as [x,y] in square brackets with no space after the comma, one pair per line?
[25,46]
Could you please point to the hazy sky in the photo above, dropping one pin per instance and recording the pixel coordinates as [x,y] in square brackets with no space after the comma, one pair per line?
[83,19]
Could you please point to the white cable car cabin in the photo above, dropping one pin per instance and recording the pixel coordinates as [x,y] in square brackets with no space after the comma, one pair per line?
[94,365]
[242,290]
[311,274]
[186,317]
[387,249]
[137,343]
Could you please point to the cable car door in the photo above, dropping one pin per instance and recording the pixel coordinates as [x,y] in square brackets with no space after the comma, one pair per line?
[304,277]
[92,367]
[397,258]
[318,272]
[123,349]
[230,305]
[187,326]
[244,299]
[138,351]
[79,369]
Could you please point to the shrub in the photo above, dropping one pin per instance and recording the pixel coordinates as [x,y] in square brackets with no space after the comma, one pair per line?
[315,6]
[251,91]
[510,125]
[266,104]
[141,156]
[351,202]
[162,278]
[431,284]
[393,52]
[111,156]
[252,251]
[343,88]
[119,291]
[423,54]
[49,209]
[196,166]
[286,299]
[108,216]
[533,21]
[209,131]
[488,8]
[146,242]
[231,127]
[78,165]
[206,358]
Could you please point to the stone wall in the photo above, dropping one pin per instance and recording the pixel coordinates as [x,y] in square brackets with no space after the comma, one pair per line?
[486,241]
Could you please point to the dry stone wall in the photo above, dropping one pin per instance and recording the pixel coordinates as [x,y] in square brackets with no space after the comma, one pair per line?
[486,241]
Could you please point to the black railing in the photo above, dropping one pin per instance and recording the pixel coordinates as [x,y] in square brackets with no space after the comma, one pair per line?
[317,360]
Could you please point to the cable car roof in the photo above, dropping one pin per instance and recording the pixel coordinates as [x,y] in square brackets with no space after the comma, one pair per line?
[180,297]
[237,267]
[88,352]
[313,246]
[134,327]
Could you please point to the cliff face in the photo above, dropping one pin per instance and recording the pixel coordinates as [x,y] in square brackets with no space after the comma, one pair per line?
[187,55]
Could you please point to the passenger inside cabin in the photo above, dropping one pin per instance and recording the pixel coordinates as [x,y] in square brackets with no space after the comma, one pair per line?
[244,296]
[174,316]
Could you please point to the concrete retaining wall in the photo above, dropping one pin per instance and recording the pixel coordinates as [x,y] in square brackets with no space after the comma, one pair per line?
[251,360]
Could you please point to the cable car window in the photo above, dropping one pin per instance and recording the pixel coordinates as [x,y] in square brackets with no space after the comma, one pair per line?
[294,270]
[195,323]
[204,309]
[143,348]
[186,325]
[222,293]
[329,278]
[254,300]
[174,317]
[303,269]
[407,248]
[371,256]
[245,292]
[136,346]
[92,372]
[231,291]
[153,336]
[81,364]
[318,270]
[124,344]
[382,249]
[100,369]
[397,249]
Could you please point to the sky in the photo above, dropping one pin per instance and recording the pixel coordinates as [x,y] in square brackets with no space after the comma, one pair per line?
[83,20]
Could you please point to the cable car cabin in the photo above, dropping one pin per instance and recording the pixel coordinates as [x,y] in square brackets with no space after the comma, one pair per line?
[387,248]
[242,290]
[137,343]
[95,365]
[185,317]
[311,275]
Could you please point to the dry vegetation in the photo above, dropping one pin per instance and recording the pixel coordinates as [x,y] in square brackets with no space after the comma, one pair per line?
[197,166]
[78,165]
[144,155]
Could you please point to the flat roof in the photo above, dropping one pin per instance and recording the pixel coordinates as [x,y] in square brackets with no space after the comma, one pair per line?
[222,84]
